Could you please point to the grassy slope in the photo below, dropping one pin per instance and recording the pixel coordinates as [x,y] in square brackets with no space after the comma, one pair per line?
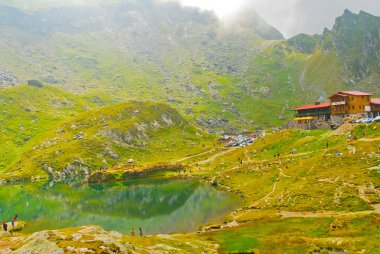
[105,137]
[27,113]
[310,200]
[320,201]
[273,90]
[302,235]
[313,181]
[256,82]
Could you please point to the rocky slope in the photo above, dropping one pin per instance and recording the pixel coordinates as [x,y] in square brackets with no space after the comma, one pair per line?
[226,76]
[310,201]
[132,50]
[27,113]
[106,137]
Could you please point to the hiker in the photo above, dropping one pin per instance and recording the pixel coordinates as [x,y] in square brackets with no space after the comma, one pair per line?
[141,233]
[14,220]
[5,226]
[133,232]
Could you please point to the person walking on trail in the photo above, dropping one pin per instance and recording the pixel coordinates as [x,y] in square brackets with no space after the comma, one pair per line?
[133,232]
[5,226]
[14,220]
[141,233]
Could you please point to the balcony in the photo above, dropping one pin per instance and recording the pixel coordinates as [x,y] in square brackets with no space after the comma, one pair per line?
[319,113]
[338,103]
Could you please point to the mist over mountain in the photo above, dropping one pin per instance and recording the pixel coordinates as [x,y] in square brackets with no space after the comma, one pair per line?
[137,116]
[226,75]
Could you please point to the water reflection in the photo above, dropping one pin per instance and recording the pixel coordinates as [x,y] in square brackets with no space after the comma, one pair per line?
[159,206]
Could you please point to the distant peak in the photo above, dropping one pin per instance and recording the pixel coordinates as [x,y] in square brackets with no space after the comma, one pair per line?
[365,14]
[348,13]
[347,19]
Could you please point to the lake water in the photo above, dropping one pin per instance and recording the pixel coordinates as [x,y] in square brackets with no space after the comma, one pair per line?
[158,206]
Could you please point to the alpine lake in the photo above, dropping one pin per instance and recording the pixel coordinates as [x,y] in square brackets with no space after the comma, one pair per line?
[157,206]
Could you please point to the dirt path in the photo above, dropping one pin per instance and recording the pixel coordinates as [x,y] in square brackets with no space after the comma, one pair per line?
[249,160]
[377,208]
[363,195]
[369,139]
[282,173]
[286,214]
[215,156]
[195,155]
[296,154]
[267,196]
[7,243]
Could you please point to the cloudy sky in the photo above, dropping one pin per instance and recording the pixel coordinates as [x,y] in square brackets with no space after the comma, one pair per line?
[291,16]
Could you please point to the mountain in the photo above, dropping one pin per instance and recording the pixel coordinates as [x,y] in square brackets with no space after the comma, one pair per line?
[28,112]
[226,76]
[142,50]
[307,68]
[106,137]
[356,41]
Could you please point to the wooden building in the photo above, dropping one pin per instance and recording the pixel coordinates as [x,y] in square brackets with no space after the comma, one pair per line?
[375,107]
[332,114]
[312,116]
[320,110]
[349,103]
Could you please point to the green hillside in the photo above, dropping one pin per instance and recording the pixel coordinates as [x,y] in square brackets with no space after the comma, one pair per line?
[227,80]
[108,136]
[29,112]
[147,51]
[113,90]
[322,197]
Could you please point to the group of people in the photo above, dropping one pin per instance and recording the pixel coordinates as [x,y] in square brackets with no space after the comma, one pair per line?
[5,225]
[134,232]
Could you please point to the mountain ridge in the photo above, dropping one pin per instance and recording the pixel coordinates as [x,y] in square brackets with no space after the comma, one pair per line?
[226,80]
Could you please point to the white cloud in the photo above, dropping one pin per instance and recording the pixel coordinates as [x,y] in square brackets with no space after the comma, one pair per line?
[222,8]
[291,16]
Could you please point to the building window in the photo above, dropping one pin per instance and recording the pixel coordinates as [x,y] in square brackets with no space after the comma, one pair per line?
[353,107]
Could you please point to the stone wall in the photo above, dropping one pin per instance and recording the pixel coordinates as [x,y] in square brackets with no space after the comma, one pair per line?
[309,125]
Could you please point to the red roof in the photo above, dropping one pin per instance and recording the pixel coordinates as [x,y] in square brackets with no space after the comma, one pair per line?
[354,93]
[313,106]
[375,101]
